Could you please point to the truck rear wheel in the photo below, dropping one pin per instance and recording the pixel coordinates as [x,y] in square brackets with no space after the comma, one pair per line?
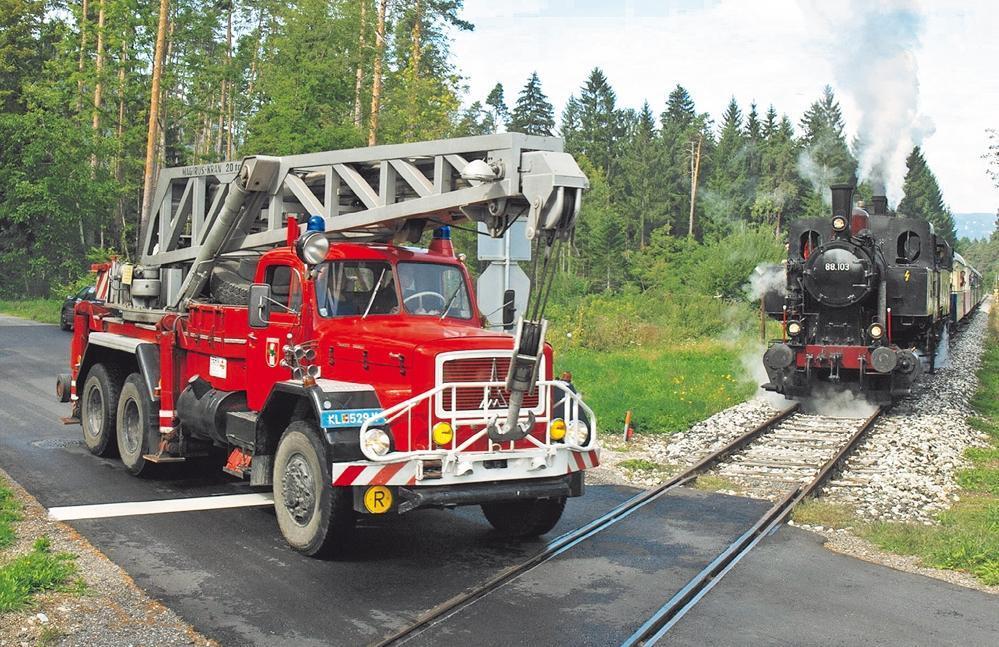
[315,518]
[137,425]
[99,407]
[525,518]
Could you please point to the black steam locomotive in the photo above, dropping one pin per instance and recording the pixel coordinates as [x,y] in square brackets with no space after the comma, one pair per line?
[867,299]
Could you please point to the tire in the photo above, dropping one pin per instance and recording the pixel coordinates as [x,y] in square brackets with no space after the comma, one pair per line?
[315,518]
[99,408]
[65,322]
[230,282]
[524,518]
[137,428]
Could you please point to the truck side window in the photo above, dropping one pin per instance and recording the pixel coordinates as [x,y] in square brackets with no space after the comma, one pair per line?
[285,286]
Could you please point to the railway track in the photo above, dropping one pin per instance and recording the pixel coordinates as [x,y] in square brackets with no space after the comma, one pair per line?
[777,457]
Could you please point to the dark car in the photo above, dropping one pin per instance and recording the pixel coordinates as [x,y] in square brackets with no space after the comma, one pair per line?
[88,293]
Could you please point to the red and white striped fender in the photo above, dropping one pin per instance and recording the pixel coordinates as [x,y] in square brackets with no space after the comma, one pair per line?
[404,472]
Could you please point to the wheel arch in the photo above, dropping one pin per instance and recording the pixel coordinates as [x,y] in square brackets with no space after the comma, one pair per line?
[145,361]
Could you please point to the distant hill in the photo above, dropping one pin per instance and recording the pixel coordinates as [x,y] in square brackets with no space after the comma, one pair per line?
[975,226]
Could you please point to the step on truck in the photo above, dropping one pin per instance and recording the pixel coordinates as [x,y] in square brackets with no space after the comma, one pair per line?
[279,319]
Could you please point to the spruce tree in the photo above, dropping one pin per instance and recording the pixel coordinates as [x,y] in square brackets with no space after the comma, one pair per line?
[599,122]
[497,104]
[533,114]
[726,196]
[827,157]
[922,196]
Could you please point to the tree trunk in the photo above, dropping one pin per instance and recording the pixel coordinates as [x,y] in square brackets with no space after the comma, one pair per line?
[98,72]
[415,50]
[154,107]
[83,51]
[228,64]
[359,74]
[376,81]
[119,169]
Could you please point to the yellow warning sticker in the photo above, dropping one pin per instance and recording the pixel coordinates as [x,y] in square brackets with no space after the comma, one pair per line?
[378,499]
[907,275]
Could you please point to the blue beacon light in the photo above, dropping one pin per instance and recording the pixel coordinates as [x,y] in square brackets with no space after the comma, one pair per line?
[316,223]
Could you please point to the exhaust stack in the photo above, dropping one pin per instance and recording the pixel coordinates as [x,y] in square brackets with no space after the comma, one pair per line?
[879,205]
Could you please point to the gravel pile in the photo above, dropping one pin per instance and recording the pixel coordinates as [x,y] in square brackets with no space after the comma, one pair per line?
[905,468]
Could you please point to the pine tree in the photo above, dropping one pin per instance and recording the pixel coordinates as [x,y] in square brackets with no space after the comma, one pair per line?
[827,159]
[533,114]
[599,124]
[497,104]
[639,182]
[922,196]
[780,189]
[726,197]
[770,125]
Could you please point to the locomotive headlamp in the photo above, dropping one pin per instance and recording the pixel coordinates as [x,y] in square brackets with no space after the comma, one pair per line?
[794,328]
[312,247]
[838,223]
[557,429]
[875,331]
[442,433]
[578,433]
[376,441]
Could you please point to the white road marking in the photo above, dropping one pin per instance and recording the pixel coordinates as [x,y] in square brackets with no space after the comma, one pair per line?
[107,510]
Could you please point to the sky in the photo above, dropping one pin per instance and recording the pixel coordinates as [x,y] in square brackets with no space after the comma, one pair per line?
[911,72]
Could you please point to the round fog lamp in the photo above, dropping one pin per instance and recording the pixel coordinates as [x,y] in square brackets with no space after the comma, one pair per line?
[376,441]
[839,223]
[557,429]
[793,328]
[442,433]
[312,247]
[578,433]
[876,331]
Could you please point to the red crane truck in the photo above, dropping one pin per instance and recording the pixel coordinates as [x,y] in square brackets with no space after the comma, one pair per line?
[277,313]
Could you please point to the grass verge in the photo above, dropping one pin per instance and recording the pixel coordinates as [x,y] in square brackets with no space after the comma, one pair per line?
[22,576]
[667,389]
[815,512]
[43,310]
[967,537]
[715,483]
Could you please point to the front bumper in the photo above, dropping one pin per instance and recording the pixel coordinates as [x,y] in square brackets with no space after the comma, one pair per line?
[464,468]
[405,499]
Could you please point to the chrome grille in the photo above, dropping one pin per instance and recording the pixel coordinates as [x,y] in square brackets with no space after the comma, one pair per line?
[479,369]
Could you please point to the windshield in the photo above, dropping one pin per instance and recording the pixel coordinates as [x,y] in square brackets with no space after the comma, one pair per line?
[351,288]
[431,289]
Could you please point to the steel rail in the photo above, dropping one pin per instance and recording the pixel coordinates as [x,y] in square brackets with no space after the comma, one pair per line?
[564,542]
[670,613]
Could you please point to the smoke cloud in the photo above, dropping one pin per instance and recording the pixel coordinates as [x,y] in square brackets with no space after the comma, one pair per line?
[767,277]
[872,49]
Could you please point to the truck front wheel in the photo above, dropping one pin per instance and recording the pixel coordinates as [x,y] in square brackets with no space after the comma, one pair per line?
[137,425]
[524,518]
[98,409]
[315,518]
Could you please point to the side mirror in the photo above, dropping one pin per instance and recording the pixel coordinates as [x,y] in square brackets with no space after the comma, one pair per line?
[509,309]
[259,305]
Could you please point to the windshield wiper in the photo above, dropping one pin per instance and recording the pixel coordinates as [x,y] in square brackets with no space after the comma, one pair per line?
[374,293]
[447,305]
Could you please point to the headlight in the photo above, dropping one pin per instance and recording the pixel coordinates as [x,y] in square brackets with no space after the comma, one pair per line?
[839,223]
[557,429]
[578,433]
[793,328]
[875,330]
[442,433]
[312,247]
[376,441]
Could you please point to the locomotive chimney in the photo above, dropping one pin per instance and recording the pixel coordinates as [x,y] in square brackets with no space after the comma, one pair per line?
[842,208]
[879,205]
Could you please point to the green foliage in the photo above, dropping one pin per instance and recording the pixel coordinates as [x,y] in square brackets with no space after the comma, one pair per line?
[37,571]
[819,512]
[668,388]
[10,511]
[923,198]
[42,310]
[533,114]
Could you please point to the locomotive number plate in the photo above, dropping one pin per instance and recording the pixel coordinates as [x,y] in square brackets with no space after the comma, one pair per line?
[837,267]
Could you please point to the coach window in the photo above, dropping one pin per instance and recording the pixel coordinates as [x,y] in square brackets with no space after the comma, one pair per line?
[809,242]
[908,247]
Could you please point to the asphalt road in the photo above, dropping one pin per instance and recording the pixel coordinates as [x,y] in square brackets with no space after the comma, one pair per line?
[231,576]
